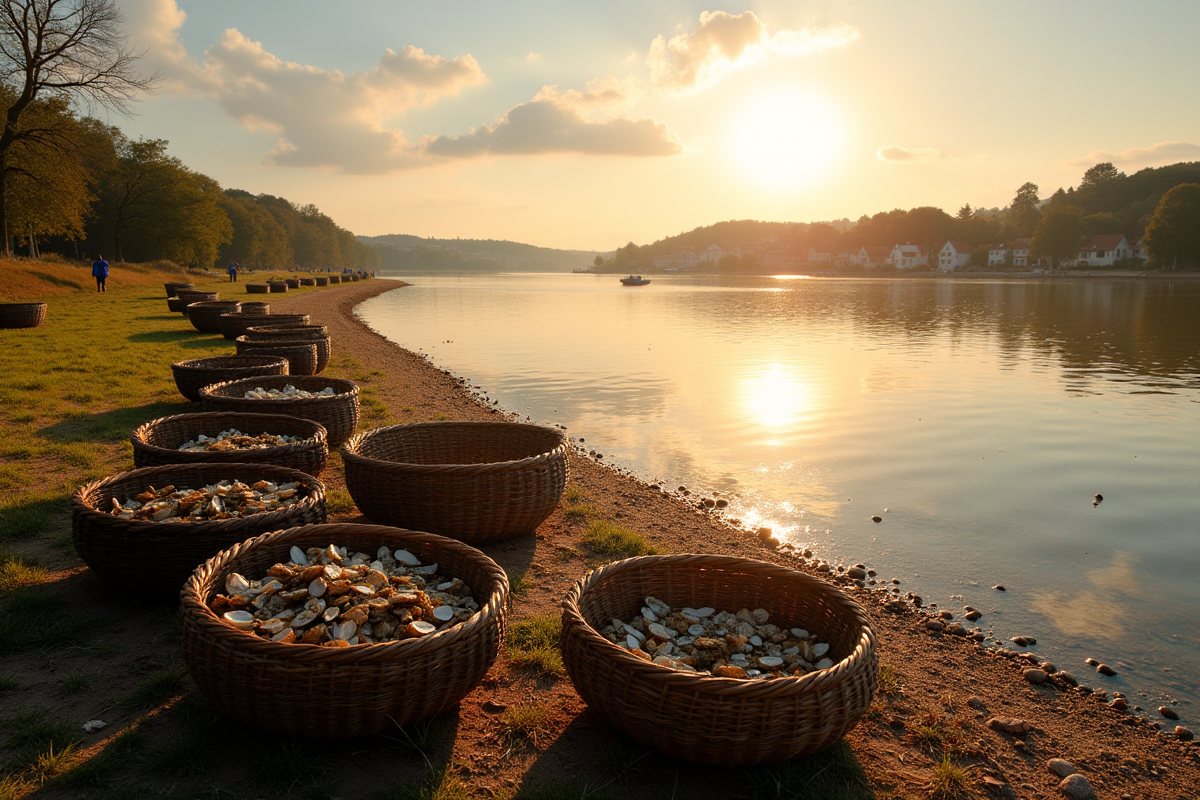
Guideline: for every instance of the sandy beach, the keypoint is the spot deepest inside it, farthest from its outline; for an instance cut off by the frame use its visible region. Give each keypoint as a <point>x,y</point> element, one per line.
<point>942,681</point>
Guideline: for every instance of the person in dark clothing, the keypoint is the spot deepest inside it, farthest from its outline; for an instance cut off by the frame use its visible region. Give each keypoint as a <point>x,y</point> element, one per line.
<point>233,268</point>
<point>100,272</point>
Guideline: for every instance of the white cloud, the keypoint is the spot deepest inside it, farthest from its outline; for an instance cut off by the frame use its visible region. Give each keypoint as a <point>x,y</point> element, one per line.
<point>724,42</point>
<point>908,155</point>
<point>533,57</point>
<point>1155,154</point>
<point>564,122</point>
<point>153,28</point>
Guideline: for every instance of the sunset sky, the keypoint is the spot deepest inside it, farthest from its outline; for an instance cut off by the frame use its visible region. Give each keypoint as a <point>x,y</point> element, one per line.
<point>585,126</point>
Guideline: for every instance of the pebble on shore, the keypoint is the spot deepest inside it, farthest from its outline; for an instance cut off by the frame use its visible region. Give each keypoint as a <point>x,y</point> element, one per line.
<point>1168,712</point>
<point>1076,787</point>
<point>1060,767</point>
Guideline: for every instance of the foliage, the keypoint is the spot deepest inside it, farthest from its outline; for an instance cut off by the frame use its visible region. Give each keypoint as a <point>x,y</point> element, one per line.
<point>1173,235</point>
<point>608,539</point>
<point>532,643</point>
<point>1023,212</point>
<point>1057,235</point>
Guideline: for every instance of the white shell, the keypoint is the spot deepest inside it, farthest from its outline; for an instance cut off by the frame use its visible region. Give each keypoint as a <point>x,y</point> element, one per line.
<point>824,663</point>
<point>333,571</point>
<point>243,620</point>
<point>317,587</point>
<point>236,584</point>
<point>649,615</point>
<point>771,661</point>
<point>820,649</point>
<point>696,630</point>
<point>658,630</point>
<point>756,640</point>
<point>635,633</point>
<point>331,613</point>
<point>407,558</point>
<point>705,611</point>
<point>761,616</point>
<point>298,557</point>
<point>344,630</point>
<point>658,606</point>
<point>304,617</point>
<point>428,569</point>
<point>443,613</point>
<point>632,642</point>
<point>420,628</point>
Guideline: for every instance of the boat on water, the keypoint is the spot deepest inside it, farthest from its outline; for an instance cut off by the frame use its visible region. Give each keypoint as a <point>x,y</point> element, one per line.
<point>634,280</point>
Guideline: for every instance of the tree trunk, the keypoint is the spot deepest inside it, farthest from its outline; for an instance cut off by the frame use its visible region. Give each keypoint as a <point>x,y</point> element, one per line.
<point>4,201</point>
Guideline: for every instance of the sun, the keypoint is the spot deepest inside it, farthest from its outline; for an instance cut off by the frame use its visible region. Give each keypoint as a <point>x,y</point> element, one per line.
<point>786,139</point>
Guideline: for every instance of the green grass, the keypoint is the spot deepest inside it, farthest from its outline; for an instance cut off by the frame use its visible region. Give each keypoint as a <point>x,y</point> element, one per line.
<point>949,782</point>
<point>532,644</point>
<point>43,747</point>
<point>584,512</point>
<point>16,572</point>
<point>441,784</point>
<point>74,684</point>
<point>339,502</point>
<point>889,681</point>
<point>159,687</point>
<point>830,774</point>
<point>927,733</point>
<point>525,723</point>
<point>518,586</point>
<point>31,617</point>
<point>102,769</point>
<point>607,539</point>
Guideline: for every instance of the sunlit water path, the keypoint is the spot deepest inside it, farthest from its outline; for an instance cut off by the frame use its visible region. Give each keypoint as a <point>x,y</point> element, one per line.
<point>983,416</point>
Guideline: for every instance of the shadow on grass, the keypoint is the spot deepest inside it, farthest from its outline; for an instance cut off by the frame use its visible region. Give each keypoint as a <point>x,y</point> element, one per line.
<point>114,425</point>
<point>165,337</point>
<point>56,281</point>
<point>163,317</point>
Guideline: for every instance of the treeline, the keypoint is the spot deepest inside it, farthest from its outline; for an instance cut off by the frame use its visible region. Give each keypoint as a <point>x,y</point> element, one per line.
<point>78,187</point>
<point>1106,201</point>
<point>407,253</point>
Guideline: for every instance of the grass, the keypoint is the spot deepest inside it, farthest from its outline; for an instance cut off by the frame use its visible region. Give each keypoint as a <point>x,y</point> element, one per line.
<point>830,774</point>
<point>579,514</point>
<point>339,502</point>
<point>74,684</point>
<point>889,681</point>
<point>158,687</point>
<point>518,586</point>
<point>44,748</point>
<point>525,723</point>
<point>102,769</point>
<point>607,539</point>
<point>927,733</point>
<point>949,782</point>
<point>30,617</point>
<point>532,644</point>
<point>17,572</point>
<point>438,785</point>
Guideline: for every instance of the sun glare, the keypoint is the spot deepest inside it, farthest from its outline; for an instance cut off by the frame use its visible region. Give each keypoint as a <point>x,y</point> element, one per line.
<point>776,397</point>
<point>786,139</point>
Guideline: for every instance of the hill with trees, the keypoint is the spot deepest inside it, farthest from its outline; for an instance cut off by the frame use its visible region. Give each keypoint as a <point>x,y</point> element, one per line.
<point>405,253</point>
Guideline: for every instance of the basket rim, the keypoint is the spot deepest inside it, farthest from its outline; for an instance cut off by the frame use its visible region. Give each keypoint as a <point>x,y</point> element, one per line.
<point>17,305</point>
<point>320,434</point>
<point>349,447</point>
<point>191,601</point>
<point>81,506</point>
<point>350,388</point>
<point>732,688</point>
<point>194,363</point>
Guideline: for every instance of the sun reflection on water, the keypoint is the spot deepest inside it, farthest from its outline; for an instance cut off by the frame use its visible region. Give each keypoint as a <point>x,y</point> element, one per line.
<point>777,397</point>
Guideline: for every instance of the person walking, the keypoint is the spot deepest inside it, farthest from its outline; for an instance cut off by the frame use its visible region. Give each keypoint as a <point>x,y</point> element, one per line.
<point>233,267</point>
<point>100,272</point>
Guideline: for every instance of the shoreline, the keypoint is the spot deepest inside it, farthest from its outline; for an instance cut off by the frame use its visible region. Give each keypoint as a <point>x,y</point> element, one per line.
<point>427,391</point>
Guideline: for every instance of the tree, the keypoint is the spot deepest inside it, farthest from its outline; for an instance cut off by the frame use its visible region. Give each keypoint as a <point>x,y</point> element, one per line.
<point>1057,235</point>
<point>1173,235</point>
<point>68,49</point>
<point>1101,173</point>
<point>258,239</point>
<point>1023,211</point>
<point>965,213</point>
<point>599,262</point>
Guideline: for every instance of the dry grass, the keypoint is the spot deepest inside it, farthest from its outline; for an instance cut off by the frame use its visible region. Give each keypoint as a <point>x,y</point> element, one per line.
<point>607,539</point>
<point>949,782</point>
<point>526,723</point>
<point>532,644</point>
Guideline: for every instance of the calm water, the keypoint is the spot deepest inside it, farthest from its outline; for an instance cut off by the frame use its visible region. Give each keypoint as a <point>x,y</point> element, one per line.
<point>983,416</point>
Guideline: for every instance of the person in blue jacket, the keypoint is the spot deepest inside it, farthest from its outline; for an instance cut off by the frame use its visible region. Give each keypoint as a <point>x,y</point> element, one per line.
<point>233,268</point>
<point>100,272</point>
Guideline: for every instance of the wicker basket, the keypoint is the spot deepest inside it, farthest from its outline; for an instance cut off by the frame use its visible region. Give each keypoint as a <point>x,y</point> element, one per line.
<point>340,693</point>
<point>197,297</point>
<point>235,325</point>
<point>301,356</point>
<point>174,289</point>
<point>322,281</point>
<point>157,442</point>
<point>206,316</point>
<point>293,283</point>
<point>308,281</point>
<point>354,279</point>
<point>276,337</point>
<point>474,481</point>
<point>257,288</point>
<point>277,287</point>
<point>178,304</point>
<point>22,315</point>
<point>156,557</point>
<point>714,720</point>
<point>335,279</point>
<point>339,413</point>
<point>192,376</point>
<point>255,307</point>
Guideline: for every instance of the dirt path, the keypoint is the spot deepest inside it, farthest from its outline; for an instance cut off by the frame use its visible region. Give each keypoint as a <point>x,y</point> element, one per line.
<point>898,745</point>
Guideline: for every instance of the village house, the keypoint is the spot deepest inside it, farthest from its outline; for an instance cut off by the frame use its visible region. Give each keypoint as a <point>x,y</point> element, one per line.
<point>820,255</point>
<point>909,256</point>
<point>781,256</point>
<point>1015,253</point>
<point>1104,250</point>
<point>872,257</point>
<point>954,255</point>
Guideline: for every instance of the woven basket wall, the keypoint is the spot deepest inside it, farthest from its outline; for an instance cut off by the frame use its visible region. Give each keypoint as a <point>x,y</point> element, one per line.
<point>339,413</point>
<point>302,356</point>
<point>277,287</point>
<point>284,335</point>
<point>322,281</point>
<point>206,316</point>
<point>340,693</point>
<point>156,557</point>
<point>192,376</point>
<point>474,481</point>
<point>173,289</point>
<point>235,325</point>
<point>22,315</point>
<point>157,442</point>
<point>257,288</point>
<point>723,721</point>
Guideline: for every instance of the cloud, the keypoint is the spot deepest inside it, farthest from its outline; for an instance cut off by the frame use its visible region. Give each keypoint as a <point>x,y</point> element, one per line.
<point>723,43</point>
<point>564,122</point>
<point>908,155</point>
<point>1160,153</point>
<point>153,28</point>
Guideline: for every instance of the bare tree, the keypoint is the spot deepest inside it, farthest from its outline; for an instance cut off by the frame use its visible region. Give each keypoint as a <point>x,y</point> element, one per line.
<point>72,49</point>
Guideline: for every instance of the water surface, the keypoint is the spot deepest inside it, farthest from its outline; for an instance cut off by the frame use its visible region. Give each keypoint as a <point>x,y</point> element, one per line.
<point>978,418</point>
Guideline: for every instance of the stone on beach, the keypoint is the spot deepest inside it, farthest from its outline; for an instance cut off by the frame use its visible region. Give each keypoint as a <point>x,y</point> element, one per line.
<point>1035,676</point>
<point>1168,712</point>
<point>1060,767</point>
<point>1010,725</point>
<point>1076,787</point>
<point>1105,669</point>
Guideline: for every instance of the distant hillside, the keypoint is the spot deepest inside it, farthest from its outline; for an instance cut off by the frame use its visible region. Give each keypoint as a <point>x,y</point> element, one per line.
<point>399,252</point>
<point>731,232</point>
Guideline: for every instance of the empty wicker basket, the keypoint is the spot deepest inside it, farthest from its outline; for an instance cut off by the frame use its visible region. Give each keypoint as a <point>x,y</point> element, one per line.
<point>338,413</point>
<point>157,442</point>
<point>340,693</point>
<point>235,325</point>
<point>257,288</point>
<point>335,278</point>
<point>257,336</point>
<point>474,481</point>
<point>255,307</point>
<point>156,557</point>
<point>22,315</point>
<point>192,376</point>
<point>322,281</point>
<point>723,721</point>
<point>174,289</point>
<point>277,287</point>
<point>301,356</point>
<point>308,282</point>
<point>205,316</point>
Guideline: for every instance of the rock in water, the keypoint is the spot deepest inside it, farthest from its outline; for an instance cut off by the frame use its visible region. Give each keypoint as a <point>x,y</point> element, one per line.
<point>1105,669</point>
<point>1183,734</point>
<point>1060,767</point>
<point>1168,712</point>
<point>1076,787</point>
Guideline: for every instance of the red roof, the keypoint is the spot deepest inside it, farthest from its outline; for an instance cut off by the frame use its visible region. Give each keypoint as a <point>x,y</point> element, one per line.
<point>1106,241</point>
<point>961,247</point>
<point>1021,244</point>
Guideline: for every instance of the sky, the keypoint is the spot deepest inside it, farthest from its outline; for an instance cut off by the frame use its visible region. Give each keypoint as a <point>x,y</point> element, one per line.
<point>589,125</point>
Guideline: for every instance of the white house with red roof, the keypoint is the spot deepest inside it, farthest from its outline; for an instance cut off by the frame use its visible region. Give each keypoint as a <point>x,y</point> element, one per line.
<point>909,256</point>
<point>1104,250</point>
<point>1015,253</point>
<point>954,255</point>
<point>870,257</point>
